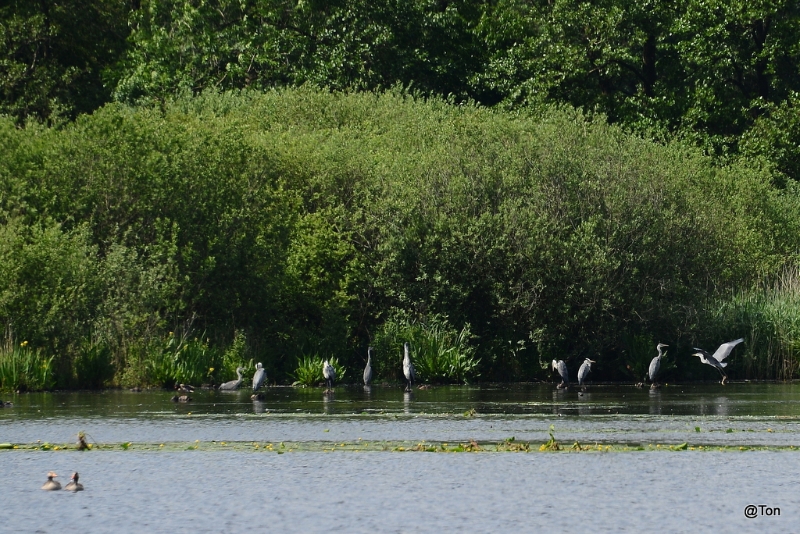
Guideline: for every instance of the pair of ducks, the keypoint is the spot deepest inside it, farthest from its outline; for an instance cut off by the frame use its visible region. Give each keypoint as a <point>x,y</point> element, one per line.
<point>52,485</point>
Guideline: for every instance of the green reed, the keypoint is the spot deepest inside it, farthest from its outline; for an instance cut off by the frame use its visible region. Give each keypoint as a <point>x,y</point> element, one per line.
<point>23,368</point>
<point>309,370</point>
<point>185,360</point>
<point>439,352</point>
<point>768,317</point>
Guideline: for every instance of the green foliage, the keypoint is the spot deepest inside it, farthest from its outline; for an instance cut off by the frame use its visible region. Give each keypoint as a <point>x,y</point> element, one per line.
<point>94,367</point>
<point>308,372</point>
<point>768,317</point>
<point>705,71</point>
<point>439,352</point>
<point>57,58</point>
<point>637,353</point>
<point>185,360</point>
<point>185,46</point>
<point>304,218</point>
<point>236,356</point>
<point>23,368</point>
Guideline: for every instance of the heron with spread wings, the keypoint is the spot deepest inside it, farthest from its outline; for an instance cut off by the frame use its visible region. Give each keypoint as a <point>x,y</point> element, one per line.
<point>716,360</point>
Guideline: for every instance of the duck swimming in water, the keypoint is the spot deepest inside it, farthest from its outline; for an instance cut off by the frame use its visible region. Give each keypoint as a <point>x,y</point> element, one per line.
<point>51,485</point>
<point>74,485</point>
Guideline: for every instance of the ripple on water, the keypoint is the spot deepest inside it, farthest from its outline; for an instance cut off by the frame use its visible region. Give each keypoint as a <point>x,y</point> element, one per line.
<point>399,492</point>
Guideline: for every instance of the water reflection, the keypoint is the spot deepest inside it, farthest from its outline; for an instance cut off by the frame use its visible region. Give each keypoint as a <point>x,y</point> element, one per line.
<point>327,402</point>
<point>408,396</point>
<point>259,407</point>
<point>693,400</point>
<point>654,395</point>
<point>585,406</point>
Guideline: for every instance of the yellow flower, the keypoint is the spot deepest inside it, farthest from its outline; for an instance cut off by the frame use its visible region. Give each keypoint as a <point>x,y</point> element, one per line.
<point>24,344</point>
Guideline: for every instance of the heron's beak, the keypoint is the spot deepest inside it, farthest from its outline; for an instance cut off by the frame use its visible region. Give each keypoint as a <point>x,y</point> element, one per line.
<point>592,361</point>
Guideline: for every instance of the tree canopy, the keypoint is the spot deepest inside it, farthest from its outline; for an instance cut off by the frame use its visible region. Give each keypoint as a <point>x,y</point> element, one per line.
<point>709,71</point>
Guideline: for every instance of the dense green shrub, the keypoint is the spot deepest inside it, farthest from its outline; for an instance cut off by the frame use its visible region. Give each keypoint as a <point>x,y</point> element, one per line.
<point>304,218</point>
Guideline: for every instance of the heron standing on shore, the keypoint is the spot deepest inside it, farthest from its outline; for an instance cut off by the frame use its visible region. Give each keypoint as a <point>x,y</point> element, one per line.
<point>584,371</point>
<point>259,378</point>
<point>655,365</point>
<point>561,367</point>
<point>368,368</point>
<point>329,373</point>
<point>408,367</point>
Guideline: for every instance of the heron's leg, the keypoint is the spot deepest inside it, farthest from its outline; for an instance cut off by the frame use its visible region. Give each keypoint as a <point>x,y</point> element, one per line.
<point>722,373</point>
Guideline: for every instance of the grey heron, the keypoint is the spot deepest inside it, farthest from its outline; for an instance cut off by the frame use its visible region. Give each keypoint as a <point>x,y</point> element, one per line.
<point>408,367</point>
<point>561,367</point>
<point>720,354</point>
<point>233,384</point>
<point>655,365</point>
<point>51,484</point>
<point>368,368</point>
<point>329,373</point>
<point>259,378</point>
<point>74,485</point>
<point>584,371</point>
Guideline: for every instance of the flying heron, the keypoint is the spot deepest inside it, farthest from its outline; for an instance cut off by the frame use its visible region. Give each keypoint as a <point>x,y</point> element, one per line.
<point>329,373</point>
<point>561,367</point>
<point>408,367</point>
<point>74,485</point>
<point>51,484</point>
<point>368,368</point>
<point>259,378</point>
<point>655,365</point>
<point>233,384</point>
<point>715,360</point>
<point>584,371</point>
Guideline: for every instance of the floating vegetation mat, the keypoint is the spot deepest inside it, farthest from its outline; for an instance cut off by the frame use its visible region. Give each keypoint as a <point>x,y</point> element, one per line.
<point>507,445</point>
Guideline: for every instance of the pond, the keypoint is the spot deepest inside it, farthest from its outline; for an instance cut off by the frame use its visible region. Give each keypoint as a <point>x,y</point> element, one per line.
<point>213,464</point>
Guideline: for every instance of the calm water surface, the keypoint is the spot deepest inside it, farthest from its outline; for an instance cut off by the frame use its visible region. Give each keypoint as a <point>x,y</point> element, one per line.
<point>205,491</point>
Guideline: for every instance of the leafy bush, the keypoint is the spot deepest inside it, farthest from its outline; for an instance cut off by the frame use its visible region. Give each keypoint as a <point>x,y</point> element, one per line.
<point>304,218</point>
<point>309,370</point>
<point>439,352</point>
